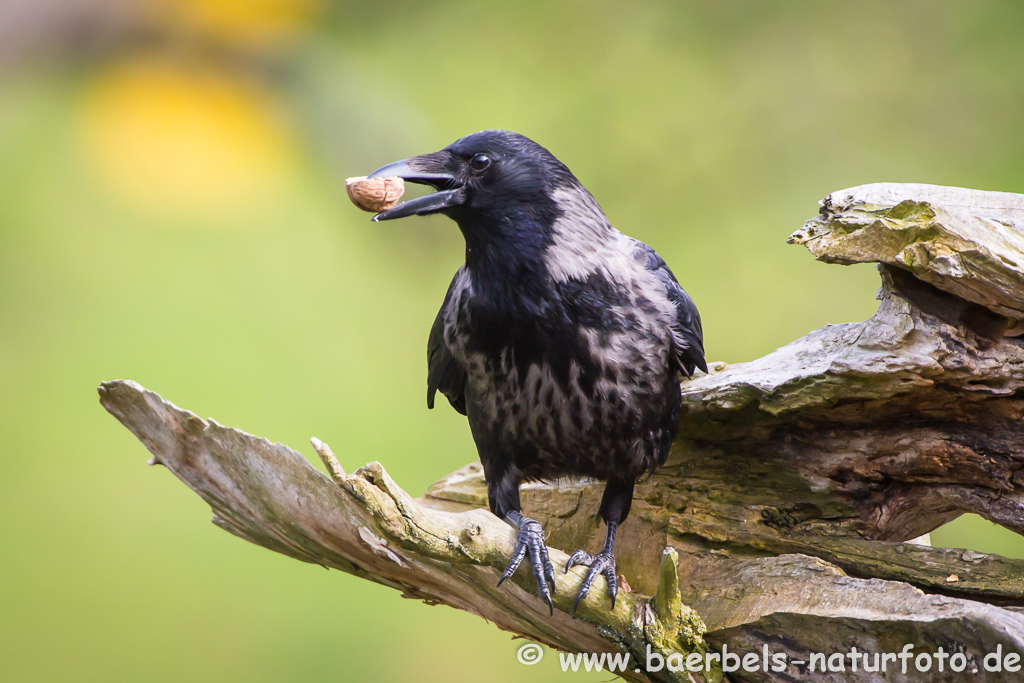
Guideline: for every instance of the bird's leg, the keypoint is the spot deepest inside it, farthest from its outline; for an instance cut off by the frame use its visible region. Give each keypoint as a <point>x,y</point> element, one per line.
<point>618,496</point>
<point>531,540</point>
<point>503,495</point>
<point>601,563</point>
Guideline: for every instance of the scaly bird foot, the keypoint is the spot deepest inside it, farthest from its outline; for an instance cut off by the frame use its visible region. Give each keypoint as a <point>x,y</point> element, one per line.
<point>602,563</point>
<point>531,538</point>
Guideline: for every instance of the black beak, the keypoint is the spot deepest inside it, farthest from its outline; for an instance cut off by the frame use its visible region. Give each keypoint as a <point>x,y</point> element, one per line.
<point>426,170</point>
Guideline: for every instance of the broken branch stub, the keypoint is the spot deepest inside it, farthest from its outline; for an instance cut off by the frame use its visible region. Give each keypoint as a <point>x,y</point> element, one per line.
<point>966,242</point>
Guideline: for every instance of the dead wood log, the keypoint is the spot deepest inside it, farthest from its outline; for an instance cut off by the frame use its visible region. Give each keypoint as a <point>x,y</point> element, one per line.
<point>783,516</point>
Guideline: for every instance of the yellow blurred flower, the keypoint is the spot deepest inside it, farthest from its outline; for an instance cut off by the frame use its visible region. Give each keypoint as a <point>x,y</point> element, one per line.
<point>184,140</point>
<point>248,23</point>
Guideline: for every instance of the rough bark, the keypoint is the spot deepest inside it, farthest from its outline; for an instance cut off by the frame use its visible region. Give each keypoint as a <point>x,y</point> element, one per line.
<point>783,516</point>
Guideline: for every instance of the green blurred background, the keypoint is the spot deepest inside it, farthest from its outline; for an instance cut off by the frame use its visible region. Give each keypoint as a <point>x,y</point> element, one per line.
<point>172,211</point>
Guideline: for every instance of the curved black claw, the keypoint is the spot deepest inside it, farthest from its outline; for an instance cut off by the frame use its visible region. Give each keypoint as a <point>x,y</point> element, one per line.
<point>602,563</point>
<point>531,539</point>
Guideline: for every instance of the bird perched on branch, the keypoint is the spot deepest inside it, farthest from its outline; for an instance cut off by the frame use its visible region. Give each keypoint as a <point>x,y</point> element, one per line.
<point>561,339</point>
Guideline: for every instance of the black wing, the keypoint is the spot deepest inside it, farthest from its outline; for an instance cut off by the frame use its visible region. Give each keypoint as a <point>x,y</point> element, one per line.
<point>444,373</point>
<point>687,332</point>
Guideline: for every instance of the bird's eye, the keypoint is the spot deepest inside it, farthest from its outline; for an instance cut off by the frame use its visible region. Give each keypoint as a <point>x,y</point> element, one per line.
<point>479,162</point>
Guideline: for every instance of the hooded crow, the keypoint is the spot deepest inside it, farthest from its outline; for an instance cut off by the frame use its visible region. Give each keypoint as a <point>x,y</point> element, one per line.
<point>561,339</point>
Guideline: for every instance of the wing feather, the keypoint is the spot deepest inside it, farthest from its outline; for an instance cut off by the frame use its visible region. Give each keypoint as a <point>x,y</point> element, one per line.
<point>687,333</point>
<point>444,373</point>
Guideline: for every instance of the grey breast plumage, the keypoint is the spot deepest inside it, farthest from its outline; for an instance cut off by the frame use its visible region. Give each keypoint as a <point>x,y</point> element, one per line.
<point>596,388</point>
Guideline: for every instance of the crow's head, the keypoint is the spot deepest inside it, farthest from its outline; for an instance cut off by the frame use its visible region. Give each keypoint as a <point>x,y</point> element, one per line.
<point>481,179</point>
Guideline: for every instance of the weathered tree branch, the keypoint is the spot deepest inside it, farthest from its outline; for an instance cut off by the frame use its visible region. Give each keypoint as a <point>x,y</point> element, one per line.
<point>366,525</point>
<point>782,516</point>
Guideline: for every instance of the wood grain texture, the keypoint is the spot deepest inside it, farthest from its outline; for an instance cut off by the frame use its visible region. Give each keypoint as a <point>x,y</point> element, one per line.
<point>783,515</point>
